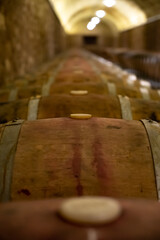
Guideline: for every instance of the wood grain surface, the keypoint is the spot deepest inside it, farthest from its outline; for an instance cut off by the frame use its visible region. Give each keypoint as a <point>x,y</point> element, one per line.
<point>39,220</point>
<point>63,157</point>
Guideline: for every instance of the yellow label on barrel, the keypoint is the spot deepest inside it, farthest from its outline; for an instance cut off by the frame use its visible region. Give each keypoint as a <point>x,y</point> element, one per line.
<point>91,210</point>
<point>79,92</point>
<point>80,116</point>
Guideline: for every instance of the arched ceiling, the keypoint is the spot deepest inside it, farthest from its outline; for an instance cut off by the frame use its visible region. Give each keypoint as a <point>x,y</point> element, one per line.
<point>125,14</point>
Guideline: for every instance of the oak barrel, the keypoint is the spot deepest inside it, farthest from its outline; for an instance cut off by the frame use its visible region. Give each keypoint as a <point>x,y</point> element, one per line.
<point>73,63</point>
<point>49,87</point>
<point>64,157</point>
<point>77,76</point>
<point>9,95</point>
<point>117,86</point>
<point>62,105</point>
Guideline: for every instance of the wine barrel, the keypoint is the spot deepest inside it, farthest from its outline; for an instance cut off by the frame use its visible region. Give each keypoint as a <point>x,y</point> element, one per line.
<point>133,92</point>
<point>40,220</point>
<point>25,88</point>
<point>125,79</point>
<point>123,85</point>
<point>76,62</point>
<point>116,74</point>
<point>91,87</point>
<point>50,88</point>
<point>33,87</point>
<point>65,157</point>
<point>40,75</point>
<point>62,105</point>
<point>77,76</point>
<point>9,95</point>
<point>39,78</point>
<point>103,88</point>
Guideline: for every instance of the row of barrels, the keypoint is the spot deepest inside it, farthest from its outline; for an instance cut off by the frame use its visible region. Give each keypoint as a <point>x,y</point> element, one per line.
<point>72,142</point>
<point>74,85</point>
<point>69,81</point>
<point>56,140</point>
<point>116,80</point>
<point>80,101</point>
<point>144,63</point>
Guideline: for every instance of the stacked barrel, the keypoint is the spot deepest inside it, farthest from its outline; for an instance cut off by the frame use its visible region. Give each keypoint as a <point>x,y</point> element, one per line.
<point>77,128</point>
<point>142,62</point>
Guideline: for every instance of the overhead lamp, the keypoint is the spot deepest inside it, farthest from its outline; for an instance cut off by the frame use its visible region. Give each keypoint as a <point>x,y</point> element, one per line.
<point>91,26</point>
<point>95,20</point>
<point>109,3</point>
<point>100,13</point>
<point>134,19</point>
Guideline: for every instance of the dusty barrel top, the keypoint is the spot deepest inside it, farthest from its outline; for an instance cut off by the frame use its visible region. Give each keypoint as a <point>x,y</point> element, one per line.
<point>68,157</point>
<point>62,105</point>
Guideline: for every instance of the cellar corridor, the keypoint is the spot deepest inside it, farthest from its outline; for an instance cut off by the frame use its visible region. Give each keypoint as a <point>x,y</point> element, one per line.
<point>79,120</point>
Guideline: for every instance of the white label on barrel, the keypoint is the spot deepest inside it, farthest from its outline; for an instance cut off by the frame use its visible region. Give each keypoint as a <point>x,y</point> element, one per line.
<point>91,210</point>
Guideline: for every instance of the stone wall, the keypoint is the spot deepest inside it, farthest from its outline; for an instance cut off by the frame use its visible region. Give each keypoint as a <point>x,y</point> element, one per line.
<point>28,31</point>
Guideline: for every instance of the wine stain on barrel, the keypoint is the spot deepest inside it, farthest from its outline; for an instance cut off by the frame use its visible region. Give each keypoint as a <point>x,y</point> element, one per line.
<point>99,161</point>
<point>25,192</point>
<point>113,127</point>
<point>76,165</point>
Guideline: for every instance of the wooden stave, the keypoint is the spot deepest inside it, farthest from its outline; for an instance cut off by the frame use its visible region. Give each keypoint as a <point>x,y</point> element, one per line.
<point>41,141</point>
<point>62,105</point>
<point>68,85</point>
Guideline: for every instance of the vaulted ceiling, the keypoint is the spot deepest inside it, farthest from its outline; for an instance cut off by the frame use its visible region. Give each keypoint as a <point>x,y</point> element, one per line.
<point>119,14</point>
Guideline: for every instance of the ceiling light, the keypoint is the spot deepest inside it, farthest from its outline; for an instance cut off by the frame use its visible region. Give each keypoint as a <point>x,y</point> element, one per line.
<point>134,19</point>
<point>100,13</point>
<point>109,3</point>
<point>91,26</point>
<point>95,20</point>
